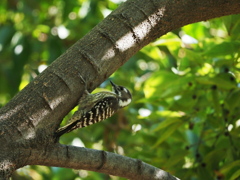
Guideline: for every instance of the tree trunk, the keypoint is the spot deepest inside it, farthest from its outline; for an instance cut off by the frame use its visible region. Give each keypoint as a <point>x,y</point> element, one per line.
<point>29,120</point>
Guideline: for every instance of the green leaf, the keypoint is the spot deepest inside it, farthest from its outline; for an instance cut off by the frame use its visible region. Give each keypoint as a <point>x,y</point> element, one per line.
<point>166,123</point>
<point>196,30</point>
<point>235,175</point>
<point>6,34</point>
<point>167,132</point>
<point>222,81</point>
<point>223,62</point>
<point>194,56</point>
<point>223,49</point>
<point>159,82</point>
<point>176,158</point>
<point>152,51</point>
<point>233,99</point>
<point>228,167</point>
<point>216,101</point>
<point>204,173</point>
<point>170,39</point>
<point>186,101</point>
<point>164,84</point>
<point>213,157</point>
<point>232,24</point>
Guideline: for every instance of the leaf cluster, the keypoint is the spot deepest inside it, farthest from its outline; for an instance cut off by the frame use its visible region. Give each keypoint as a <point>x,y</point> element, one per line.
<point>184,117</point>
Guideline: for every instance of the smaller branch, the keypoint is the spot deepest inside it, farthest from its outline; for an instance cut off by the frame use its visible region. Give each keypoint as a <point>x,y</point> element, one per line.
<point>99,161</point>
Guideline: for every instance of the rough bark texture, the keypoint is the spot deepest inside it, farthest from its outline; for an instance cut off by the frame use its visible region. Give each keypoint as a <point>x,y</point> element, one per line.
<point>28,121</point>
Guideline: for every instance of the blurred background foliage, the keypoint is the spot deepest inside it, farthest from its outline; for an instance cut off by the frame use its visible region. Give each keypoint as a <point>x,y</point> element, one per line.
<point>185,114</point>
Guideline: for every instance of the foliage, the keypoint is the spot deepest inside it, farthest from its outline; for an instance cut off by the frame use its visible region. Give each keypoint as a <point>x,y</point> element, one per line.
<point>185,114</point>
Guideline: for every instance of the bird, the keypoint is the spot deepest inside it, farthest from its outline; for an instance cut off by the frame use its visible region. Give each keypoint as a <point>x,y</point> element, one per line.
<point>94,108</point>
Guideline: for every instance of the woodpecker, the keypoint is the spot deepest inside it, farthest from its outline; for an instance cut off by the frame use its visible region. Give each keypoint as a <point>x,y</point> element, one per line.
<point>94,108</point>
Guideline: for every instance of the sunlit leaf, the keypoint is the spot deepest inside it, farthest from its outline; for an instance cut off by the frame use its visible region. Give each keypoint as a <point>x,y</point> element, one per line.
<point>152,51</point>
<point>170,39</point>
<point>225,169</point>
<point>235,175</point>
<point>197,30</point>
<point>191,88</point>
<point>164,84</point>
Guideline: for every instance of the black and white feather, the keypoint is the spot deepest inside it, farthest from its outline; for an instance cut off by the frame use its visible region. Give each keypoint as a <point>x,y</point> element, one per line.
<point>94,108</point>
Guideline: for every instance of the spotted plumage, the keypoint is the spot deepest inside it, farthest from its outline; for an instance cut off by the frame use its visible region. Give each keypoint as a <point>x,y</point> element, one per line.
<point>94,108</point>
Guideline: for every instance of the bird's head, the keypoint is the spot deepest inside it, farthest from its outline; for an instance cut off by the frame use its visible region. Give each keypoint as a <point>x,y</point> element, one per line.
<point>123,94</point>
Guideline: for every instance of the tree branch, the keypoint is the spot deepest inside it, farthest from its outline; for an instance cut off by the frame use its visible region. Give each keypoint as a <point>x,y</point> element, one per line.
<point>100,161</point>
<point>28,121</point>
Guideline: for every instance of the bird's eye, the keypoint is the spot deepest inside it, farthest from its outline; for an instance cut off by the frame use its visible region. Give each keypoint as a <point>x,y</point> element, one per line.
<point>121,88</point>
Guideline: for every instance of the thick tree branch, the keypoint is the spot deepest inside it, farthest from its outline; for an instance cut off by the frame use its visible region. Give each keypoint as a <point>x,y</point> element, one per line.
<point>28,121</point>
<point>100,161</point>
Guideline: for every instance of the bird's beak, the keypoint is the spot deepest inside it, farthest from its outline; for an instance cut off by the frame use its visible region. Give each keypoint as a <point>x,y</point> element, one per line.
<point>114,85</point>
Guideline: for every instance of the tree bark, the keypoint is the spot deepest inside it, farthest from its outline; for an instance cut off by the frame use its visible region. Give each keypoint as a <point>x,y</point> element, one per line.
<point>28,121</point>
